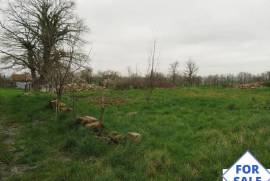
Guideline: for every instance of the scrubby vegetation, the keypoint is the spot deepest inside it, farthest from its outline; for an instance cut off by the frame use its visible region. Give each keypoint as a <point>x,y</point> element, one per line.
<point>187,134</point>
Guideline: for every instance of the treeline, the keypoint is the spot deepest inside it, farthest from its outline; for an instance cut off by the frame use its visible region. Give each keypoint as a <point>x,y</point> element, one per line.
<point>6,82</point>
<point>113,79</point>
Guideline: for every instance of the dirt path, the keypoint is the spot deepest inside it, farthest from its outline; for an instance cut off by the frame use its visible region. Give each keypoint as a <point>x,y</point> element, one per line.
<point>8,166</point>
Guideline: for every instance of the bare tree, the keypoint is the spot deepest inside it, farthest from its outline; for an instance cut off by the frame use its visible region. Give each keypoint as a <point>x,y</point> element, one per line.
<point>244,77</point>
<point>173,71</point>
<point>44,36</point>
<point>87,75</point>
<point>60,27</point>
<point>265,76</point>
<point>40,29</point>
<point>18,44</point>
<point>190,71</point>
<point>152,64</point>
<point>64,65</point>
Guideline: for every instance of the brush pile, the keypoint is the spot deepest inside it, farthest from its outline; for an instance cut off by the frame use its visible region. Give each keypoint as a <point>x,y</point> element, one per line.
<point>81,87</point>
<point>251,85</point>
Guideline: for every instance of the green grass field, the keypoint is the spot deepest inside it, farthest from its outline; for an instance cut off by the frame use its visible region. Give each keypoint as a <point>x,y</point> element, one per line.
<point>187,134</point>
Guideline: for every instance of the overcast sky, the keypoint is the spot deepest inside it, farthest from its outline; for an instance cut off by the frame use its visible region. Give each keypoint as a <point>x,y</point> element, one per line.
<point>222,36</point>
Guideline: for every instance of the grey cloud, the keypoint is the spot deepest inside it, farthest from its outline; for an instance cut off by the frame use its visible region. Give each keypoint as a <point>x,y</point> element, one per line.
<point>222,36</point>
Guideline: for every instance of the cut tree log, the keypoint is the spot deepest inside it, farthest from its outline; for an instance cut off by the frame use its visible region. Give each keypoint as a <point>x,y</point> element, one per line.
<point>61,106</point>
<point>86,120</point>
<point>135,137</point>
<point>95,126</point>
<point>54,103</point>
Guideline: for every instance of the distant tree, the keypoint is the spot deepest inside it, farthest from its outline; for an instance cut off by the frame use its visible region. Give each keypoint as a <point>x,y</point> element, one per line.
<point>266,76</point>
<point>2,80</point>
<point>190,71</point>
<point>173,71</point>
<point>150,77</point>
<point>244,77</point>
<point>107,78</point>
<point>133,76</point>
<point>129,70</point>
<point>87,75</point>
<point>230,80</point>
<point>110,74</point>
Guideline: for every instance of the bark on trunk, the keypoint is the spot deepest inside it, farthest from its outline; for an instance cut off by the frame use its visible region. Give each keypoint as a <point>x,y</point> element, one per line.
<point>35,85</point>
